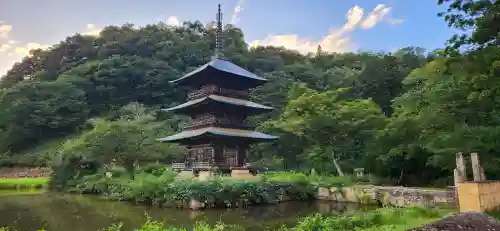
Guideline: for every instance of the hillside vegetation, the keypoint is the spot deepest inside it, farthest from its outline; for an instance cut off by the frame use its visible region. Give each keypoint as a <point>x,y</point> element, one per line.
<point>90,101</point>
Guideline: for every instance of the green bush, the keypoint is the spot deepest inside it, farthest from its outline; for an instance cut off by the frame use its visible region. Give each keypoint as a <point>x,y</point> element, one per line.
<point>161,187</point>
<point>155,169</point>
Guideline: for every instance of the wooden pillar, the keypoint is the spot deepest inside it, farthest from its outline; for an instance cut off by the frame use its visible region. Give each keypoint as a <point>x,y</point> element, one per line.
<point>476,167</point>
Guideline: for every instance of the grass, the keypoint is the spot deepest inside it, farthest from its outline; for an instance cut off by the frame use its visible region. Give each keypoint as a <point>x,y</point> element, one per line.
<point>21,192</point>
<point>23,183</point>
<point>393,219</point>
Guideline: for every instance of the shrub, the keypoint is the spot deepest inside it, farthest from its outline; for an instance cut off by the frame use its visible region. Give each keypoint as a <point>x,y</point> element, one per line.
<point>161,187</point>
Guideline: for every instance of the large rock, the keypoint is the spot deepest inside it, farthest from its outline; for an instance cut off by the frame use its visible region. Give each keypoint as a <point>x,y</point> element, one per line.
<point>471,221</point>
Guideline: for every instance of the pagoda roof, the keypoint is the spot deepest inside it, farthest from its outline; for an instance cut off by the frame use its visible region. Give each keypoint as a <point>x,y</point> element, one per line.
<point>229,132</point>
<point>224,66</point>
<point>220,99</point>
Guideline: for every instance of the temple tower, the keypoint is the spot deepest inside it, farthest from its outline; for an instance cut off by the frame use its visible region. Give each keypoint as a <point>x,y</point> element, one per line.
<point>218,135</point>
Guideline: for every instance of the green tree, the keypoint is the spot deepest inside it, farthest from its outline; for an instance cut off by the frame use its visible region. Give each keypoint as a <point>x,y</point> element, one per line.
<point>114,82</point>
<point>480,17</point>
<point>336,128</point>
<point>34,111</point>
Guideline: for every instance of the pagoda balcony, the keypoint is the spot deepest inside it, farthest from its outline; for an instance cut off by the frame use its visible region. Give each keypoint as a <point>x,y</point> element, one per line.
<point>212,120</point>
<point>212,89</point>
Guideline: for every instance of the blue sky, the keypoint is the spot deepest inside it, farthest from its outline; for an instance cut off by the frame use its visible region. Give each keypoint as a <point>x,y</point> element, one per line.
<point>296,24</point>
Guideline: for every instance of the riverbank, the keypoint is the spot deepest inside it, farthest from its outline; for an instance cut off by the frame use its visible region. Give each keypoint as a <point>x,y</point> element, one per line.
<point>394,219</point>
<point>165,188</point>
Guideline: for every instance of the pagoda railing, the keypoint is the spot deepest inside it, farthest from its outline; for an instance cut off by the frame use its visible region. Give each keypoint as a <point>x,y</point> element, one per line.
<point>212,89</point>
<point>212,120</point>
<point>200,165</point>
<point>178,165</point>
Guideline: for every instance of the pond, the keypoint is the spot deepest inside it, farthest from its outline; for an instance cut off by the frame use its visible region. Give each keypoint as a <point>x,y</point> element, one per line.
<point>57,212</point>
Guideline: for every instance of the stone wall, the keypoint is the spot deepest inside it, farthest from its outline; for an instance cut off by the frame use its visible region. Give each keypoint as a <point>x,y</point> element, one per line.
<point>396,196</point>
<point>483,196</point>
<point>18,172</point>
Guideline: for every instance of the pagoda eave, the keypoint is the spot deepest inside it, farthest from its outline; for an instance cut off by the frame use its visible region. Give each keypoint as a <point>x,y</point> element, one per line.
<point>225,70</point>
<point>249,106</point>
<point>214,132</point>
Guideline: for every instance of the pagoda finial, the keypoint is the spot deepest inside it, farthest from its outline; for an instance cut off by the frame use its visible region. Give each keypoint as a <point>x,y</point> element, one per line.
<point>218,40</point>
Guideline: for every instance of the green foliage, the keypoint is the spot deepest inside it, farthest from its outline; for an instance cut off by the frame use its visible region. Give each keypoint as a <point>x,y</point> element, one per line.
<point>118,147</point>
<point>373,220</point>
<point>476,16</point>
<point>401,115</point>
<point>33,111</point>
<point>335,127</point>
<point>161,187</point>
<point>119,80</point>
<point>126,64</point>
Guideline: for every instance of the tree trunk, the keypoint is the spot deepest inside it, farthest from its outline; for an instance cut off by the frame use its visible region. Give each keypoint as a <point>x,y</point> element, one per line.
<point>337,166</point>
<point>400,176</point>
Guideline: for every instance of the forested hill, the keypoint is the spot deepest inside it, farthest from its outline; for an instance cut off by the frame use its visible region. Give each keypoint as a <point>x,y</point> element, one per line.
<point>401,116</point>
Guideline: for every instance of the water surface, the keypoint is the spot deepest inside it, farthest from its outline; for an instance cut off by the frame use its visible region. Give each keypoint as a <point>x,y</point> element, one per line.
<point>57,212</point>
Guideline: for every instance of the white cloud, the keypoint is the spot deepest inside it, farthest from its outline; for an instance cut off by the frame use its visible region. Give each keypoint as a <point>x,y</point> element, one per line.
<point>4,47</point>
<point>353,16</point>
<point>92,30</point>
<point>173,21</point>
<point>237,9</point>
<point>374,17</point>
<point>395,21</point>
<point>5,29</point>
<point>337,39</point>
<point>12,51</point>
<point>30,46</point>
<point>7,46</point>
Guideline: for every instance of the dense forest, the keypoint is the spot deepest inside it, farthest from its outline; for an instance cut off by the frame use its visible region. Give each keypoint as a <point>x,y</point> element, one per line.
<point>401,116</point>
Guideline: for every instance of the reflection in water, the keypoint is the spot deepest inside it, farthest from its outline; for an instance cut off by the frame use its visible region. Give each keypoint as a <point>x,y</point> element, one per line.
<point>57,212</point>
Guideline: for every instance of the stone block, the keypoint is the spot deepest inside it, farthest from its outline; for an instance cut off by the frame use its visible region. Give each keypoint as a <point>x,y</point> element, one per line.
<point>186,175</point>
<point>242,174</point>
<point>323,193</point>
<point>205,175</point>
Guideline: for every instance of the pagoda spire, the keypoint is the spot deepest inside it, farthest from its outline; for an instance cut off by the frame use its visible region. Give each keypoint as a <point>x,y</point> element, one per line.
<point>218,40</point>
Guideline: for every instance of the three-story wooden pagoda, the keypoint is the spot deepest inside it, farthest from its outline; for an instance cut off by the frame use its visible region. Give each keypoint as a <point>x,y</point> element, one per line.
<point>218,134</point>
